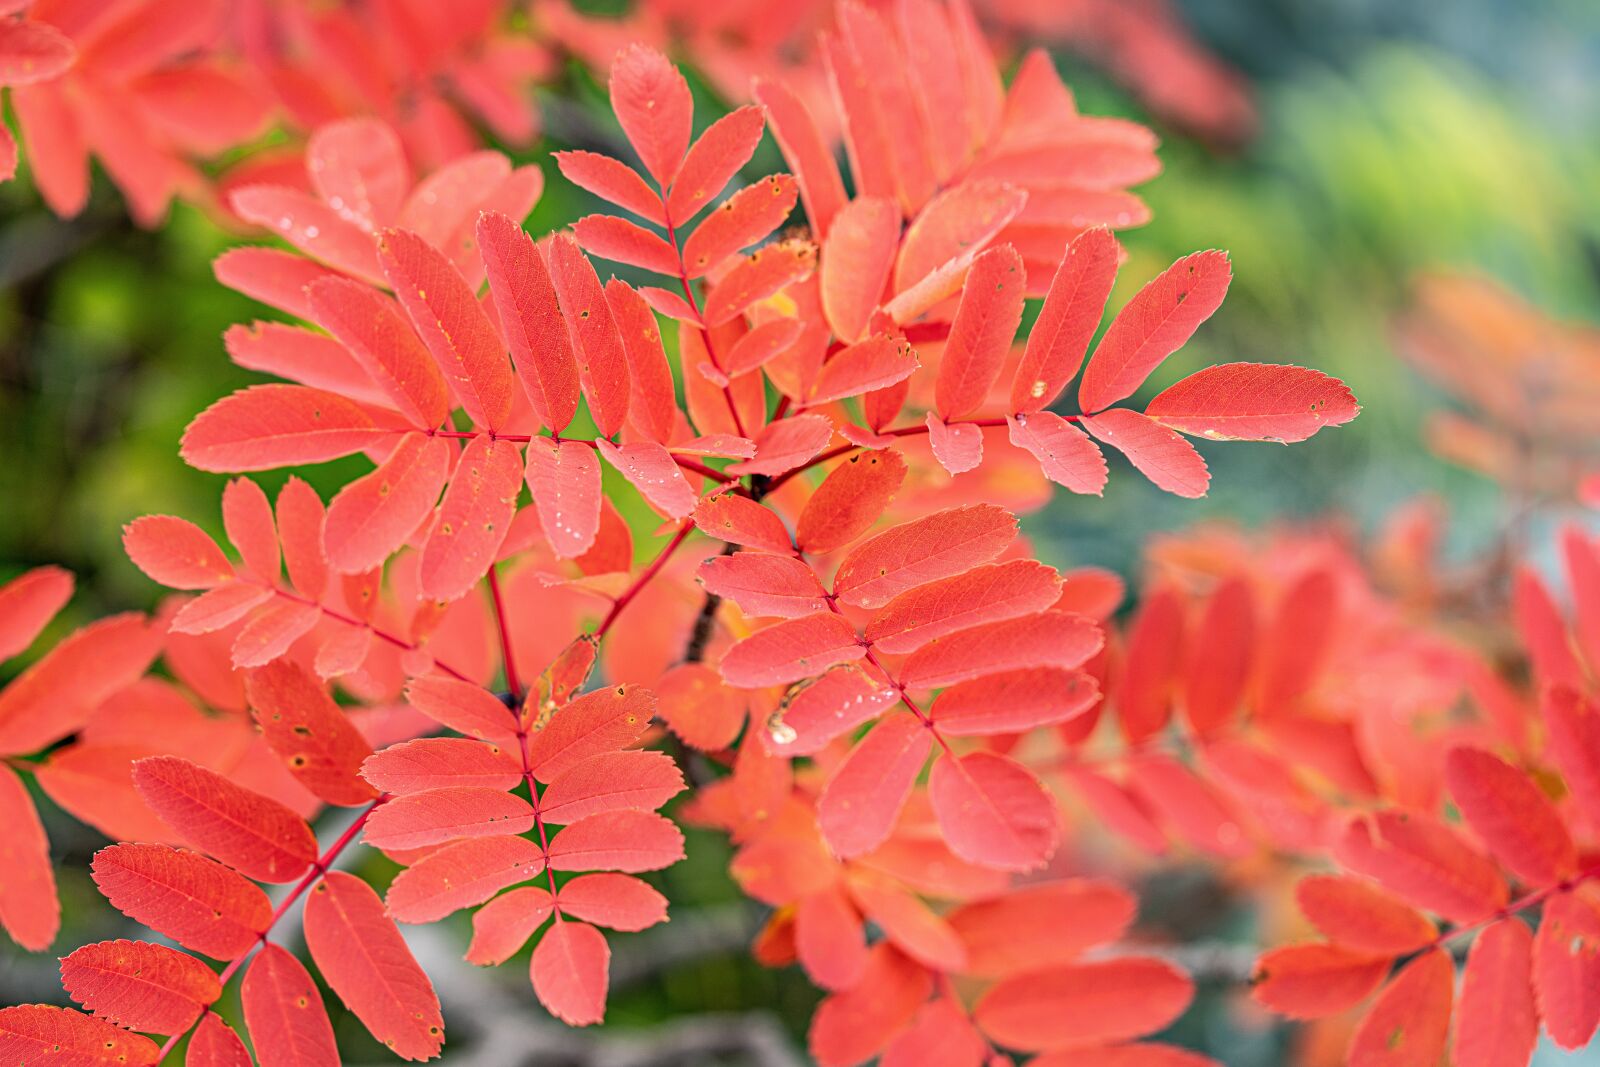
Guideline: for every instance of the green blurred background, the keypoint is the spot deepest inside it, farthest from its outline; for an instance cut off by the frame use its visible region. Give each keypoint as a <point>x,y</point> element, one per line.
<point>1394,138</point>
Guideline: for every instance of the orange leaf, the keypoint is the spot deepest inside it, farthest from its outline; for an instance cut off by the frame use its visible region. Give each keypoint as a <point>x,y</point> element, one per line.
<point>1409,1023</point>
<point>1083,1005</point>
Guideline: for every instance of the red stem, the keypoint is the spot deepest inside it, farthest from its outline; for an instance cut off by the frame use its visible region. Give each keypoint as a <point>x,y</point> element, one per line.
<point>904,431</point>
<point>509,662</point>
<point>382,635</point>
<point>895,683</point>
<point>685,462</point>
<point>644,578</point>
<point>1521,904</point>
<point>318,869</point>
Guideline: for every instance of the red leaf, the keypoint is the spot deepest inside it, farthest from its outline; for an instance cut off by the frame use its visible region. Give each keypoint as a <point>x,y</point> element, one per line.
<point>627,242</point>
<point>768,270</point>
<point>955,225</point>
<point>651,469</point>
<point>1153,659</point>
<point>366,962</point>
<point>602,361</point>
<point>569,973</point>
<point>311,226</point>
<point>1357,915</point>
<point>791,650</point>
<point>957,446</point>
<point>909,923</point>
<point>617,901</point>
<point>57,693</point>
<point>1070,315</point>
<point>1159,453</point>
<point>1511,814</point>
<point>936,546</point>
<point>764,584</point>
<point>174,552</point>
<point>1566,968</point>
<point>653,105</point>
<point>739,520</point>
<point>257,836</point>
<point>309,732</point>
<point>29,909</point>
<point>197,902</point>
<point>372,328</point>
<point>1409,1023</point>
<point>1049,639</point>
<point>993,812</point>
<point>697,707</point>
<point>600,721</point>
<point>809,156</point>
<point>284,1012</point>
<point>28,602</point>
<point>270,633</point>
<point>214,1044</point>
<point>613,181</point>
<point>611,781</point>
<point>1254,402</point>
<point>738,222</point>
<point>984,594</point>
<point>359,167</point>
<point>1065,453</point>
<point>530,318</point>
<point>464,707</point>
<point>1157,322</point>
<point>855,1025</point>
<point>942,1034</point>
<point>652,403</point>
<point>986,321</point>
<point>781,446</point>
<point>1310,981</point>
<point>1498,1022</point>
<point>565,482</point>
<point>1083,1005</point>
<point>501,927</point>
<point>875,363</point>
<point>441,815</point>
<point>33,52</point>
<point>473,519</point>
<point>140,985</point>
<point>303,355</point>
<point>1190,804</point>
<point>40,1033</point>
<point>1219,657</point>
<point>1543,631</point>
<point>1013,701</point>
<point>850,499</point>
<point>714,158</point>
<point>829,939</point>
<point>451,322</point>
<point>372,517</point>
<point>439,762</point>
<point>1143,1054</point>
<point>268,426</point>
<point>247,518</point>
<point>628,841</point>
<point>1574,744</point>
<point>272,276</point>
<point>1041,925</point>
<point>1425,863</point>
<point>816,712</point>
<point>857,256</point>
<point>461,875</point>
<point>859,805</point>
